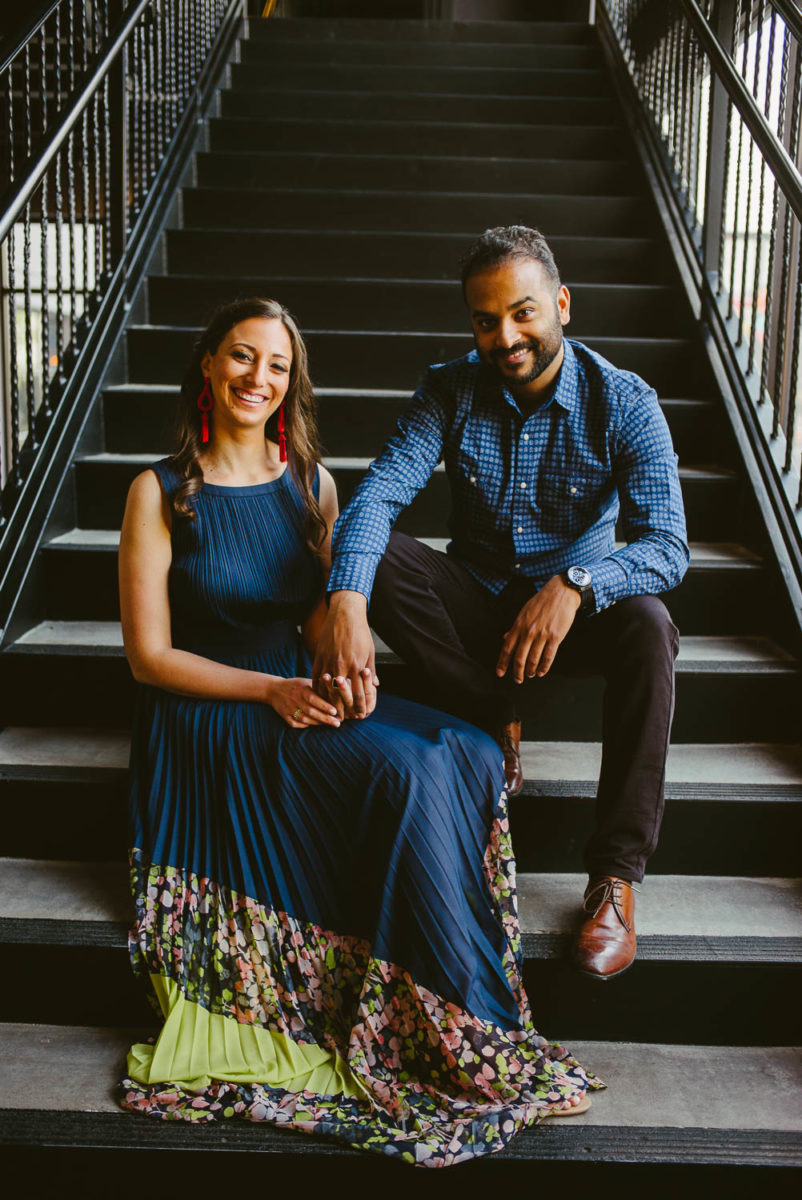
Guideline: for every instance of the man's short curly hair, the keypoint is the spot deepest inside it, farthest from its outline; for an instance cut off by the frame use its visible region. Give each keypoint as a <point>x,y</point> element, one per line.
<point>505,242</point>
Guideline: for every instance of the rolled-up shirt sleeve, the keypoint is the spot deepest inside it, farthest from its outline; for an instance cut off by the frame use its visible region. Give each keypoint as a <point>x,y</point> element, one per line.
<point>392,481</point>
<point>652,514</point>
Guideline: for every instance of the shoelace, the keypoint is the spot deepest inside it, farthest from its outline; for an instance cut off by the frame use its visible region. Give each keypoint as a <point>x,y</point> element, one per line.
<point>609,894</point>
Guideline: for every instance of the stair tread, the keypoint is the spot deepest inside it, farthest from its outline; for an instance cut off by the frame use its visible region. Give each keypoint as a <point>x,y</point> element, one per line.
<point>738,909</point>
<point>737,652</point>
<point>746,763</point>
<point>726,554</point>
<point>74,1068</point>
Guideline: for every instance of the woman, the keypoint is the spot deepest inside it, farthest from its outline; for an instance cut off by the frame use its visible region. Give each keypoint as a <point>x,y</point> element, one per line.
<point>325,910</point>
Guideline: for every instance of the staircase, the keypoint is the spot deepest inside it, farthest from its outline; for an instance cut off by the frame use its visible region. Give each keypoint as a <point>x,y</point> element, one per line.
<point>348,165</point>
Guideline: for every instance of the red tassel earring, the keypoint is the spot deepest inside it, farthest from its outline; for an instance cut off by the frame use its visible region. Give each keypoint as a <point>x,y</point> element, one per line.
<point>282,440</point>
<point>205,404</point>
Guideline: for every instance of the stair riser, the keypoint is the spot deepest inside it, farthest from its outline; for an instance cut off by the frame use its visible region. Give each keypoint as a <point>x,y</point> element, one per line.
<point>604,216</point>
<point>400,137</point>
<point>398,360</point>
<point>549,176</point>
<point>595,309</point>
<point>506,33</point>
<point>87,689</point>
<point>469,81</point>
<point>82,585</point>
<point>415,55</point>
<point>86,822</point>
<point>744,1004</point>
<point>403,104</point>
<point>101,488</point>
<point>140,423</point>
<point>398,255</point>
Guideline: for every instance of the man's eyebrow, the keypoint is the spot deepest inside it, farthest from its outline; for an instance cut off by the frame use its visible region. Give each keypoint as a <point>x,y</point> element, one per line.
<point>481,312</point>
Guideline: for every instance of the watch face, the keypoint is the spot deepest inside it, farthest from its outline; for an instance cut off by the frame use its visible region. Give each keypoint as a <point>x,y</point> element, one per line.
<point>579,576</point>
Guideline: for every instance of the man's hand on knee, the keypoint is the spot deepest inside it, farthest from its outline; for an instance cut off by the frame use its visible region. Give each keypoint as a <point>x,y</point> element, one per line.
<point>538,631</point>
<point>345,665</point>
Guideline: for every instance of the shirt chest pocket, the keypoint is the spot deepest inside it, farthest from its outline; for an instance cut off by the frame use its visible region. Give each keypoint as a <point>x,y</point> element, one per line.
<point>568,503</point>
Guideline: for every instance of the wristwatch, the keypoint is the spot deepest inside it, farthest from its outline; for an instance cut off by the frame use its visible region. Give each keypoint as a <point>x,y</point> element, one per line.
<point>581,580</point>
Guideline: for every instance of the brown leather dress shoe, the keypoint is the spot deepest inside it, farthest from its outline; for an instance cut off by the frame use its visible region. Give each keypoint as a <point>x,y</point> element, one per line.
<point>605,945</point>
<point>509,738</point>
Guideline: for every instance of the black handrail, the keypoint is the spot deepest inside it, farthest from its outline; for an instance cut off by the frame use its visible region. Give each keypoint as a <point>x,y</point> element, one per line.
<point>18,196</point>
<point>28,27</point>
<point>773,151</point>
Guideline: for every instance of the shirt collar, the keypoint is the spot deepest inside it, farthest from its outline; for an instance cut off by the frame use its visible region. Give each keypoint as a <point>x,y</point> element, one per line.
<point>565,392</point>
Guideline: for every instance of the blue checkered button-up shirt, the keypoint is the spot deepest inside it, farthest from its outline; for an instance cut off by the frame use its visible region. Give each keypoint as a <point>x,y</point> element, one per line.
<point>531,496</point>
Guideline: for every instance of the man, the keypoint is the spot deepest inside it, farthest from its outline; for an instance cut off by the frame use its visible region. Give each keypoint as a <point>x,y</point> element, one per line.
<point>544,443</point>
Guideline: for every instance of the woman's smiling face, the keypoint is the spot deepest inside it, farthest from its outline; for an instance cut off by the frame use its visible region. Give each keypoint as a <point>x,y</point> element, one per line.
<point>249,372</point>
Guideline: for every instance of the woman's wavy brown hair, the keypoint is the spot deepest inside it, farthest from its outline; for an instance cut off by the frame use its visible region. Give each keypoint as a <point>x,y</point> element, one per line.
<point>303,450</point>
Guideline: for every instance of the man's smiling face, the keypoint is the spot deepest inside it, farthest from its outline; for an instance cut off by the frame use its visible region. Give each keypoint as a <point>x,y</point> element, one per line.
<point>517,314</point>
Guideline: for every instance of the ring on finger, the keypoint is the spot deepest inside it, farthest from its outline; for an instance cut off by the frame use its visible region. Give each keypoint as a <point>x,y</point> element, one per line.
<point>296,716</point>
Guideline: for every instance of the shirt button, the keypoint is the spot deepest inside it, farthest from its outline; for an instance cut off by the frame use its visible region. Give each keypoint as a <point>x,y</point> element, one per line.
<point>517,566</point>
<point>473,479</point>
<point>523,484</point>
<point>572,491</point>
<point>526,437</point>
<point>520,528</point>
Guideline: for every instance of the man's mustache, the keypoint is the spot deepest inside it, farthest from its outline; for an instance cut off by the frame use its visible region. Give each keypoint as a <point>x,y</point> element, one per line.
<point>528,344</point>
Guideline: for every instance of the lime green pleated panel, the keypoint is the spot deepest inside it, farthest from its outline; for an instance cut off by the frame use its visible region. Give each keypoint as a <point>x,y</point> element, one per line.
<point>196,1047</point>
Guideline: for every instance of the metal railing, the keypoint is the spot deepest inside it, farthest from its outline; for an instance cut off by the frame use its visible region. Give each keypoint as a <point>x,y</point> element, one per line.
<point>94,93</point>
<point>720,82</point>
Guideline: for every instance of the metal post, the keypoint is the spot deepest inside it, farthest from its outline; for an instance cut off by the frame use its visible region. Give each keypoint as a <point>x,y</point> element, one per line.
<point>715,183</point>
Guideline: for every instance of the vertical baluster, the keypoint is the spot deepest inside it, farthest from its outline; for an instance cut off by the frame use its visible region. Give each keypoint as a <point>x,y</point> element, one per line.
<point>11,261</point>
<point>153,87</point>
<point>780,366</point>
<point>30,370</point>
<point>759,274</point>
<point>161,141</point>
<point>729,128</point>
<point>768,333</point>
<point>85,170</point>
<point>749,179</point>
<point>790,420</point>
<point>45,266</point>
<point>59,205</point>
<point>682,107</point>
<point>737,203</point>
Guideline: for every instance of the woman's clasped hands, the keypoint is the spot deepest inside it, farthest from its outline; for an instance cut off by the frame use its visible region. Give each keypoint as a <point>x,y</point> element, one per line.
<point>295,701</point>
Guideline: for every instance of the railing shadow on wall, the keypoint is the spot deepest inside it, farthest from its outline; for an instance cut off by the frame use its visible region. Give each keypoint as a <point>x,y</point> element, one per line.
<point>714,91</point>
<point>103,101</point>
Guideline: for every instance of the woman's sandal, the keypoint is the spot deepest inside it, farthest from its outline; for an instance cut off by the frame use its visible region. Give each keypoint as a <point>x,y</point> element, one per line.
<point>574,1110</point>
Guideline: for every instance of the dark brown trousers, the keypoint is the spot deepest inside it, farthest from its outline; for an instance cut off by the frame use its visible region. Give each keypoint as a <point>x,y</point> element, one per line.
<point>448,628</point>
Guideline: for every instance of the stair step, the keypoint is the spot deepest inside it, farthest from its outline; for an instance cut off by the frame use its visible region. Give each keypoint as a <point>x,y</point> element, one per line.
<point>338,29</point>
<point>658,1106</point>
<point>391,255</point>
<point>102,482</point>
<point>680,917</point>
<point>724,591</point>
<point>397,360</point>
<point>493,80</point>
<point>457,212</point>
<point>729,689</point>
<point>138,418</point>
<point>605,177</point>
<point>417,137</point>
<point>731,810</point>
<point>416,106</point>
<point>734,941</point>
<point>414,55</point>
<point>363,304</point>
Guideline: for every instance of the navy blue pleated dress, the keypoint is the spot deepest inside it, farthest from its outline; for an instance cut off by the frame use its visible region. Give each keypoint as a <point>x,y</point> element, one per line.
<point>325,918</point>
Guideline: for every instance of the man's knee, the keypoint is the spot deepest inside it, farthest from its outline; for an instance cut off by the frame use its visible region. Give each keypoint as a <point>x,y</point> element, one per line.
<point>646,627</point>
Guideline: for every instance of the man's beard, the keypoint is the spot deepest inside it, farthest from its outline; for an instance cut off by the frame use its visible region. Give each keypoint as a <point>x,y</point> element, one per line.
<point>544,351</point>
